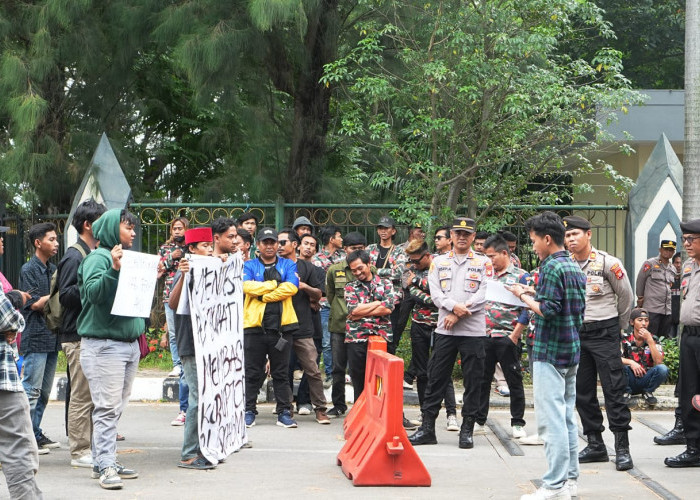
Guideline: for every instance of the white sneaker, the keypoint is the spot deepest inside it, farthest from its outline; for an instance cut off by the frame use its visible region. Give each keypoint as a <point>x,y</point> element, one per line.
<point>533,440</point>
<point>43,451</point>
<point>518,432</point>
<point>175,372</point>
<point>479,430</point>
<point>84,461</point>
<point>110,480</point>
<point>503,390</point>
<point>180,419</point>
<point>408,386</point>
<point>573,487</point>
<point>452,424</point>
<point>547,494</point>
<point>304,410</point>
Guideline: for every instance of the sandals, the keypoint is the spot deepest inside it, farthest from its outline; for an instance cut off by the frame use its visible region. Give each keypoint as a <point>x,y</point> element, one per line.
<point>197,463</point>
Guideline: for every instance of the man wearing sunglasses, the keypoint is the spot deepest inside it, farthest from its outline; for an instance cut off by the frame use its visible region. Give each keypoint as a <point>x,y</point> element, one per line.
<point>443,243</point>
<point>689,375</point>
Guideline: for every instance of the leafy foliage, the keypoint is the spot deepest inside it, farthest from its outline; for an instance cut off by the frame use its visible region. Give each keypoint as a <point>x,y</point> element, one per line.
<point>471,102</point>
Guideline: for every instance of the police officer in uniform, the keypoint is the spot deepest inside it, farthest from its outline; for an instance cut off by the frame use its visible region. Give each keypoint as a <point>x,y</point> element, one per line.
<point>608,304</point>
<point>689,376</point>
<point>653,286</point>
<point>457,283</point>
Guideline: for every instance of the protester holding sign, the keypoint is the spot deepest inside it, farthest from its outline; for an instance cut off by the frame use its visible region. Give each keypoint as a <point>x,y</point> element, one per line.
<point>109,350</point>
<point>198,242</point>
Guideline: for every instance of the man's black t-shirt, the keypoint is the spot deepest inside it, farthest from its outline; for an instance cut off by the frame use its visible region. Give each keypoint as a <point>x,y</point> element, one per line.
<point>302,305</point>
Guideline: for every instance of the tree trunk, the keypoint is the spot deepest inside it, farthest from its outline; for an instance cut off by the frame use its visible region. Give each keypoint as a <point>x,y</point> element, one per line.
<point>691,170</point>
<point>311,102</point>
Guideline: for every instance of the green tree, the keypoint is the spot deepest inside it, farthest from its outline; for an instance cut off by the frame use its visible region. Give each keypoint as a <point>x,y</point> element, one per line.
<point>473,103</point>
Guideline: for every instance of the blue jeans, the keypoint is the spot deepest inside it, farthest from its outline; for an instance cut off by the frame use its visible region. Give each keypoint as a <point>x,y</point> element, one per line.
<point>652,379</point>
<point>183,388</point>
<point>110,368</point>
<point>39,370</point>
<point>326,342</point>
<point>190,441</point>
<point>555,400</point>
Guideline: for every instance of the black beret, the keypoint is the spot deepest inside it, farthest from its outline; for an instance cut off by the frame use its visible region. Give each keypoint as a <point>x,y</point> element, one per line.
<point>691,227</point>
<point>576,222</point>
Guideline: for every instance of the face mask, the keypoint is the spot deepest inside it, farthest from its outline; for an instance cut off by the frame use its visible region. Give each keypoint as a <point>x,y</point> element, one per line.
<point>179,239</point>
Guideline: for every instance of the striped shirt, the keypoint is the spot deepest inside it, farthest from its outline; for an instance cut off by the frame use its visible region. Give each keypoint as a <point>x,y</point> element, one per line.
<point>561,293</point>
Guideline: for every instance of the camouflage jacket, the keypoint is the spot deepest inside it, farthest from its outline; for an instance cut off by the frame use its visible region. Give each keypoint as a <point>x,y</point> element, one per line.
<point>324,259</point>
<point>502,318</point>
<point>360,292</point>
<point>394,266</point>
<point>424,311</point>
<point>170,265</point>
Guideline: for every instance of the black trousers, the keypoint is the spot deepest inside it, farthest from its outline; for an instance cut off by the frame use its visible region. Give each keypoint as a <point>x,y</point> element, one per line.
<point>689,380</point>
<point>660,325</point>
<point>399,319</point>
<point>503,350</point>
<point>339,351</point>
<point>357,362</point>
<point>445,350</point>
<point>600,356</point>
<point>257,346</point>
<point>421,342</point>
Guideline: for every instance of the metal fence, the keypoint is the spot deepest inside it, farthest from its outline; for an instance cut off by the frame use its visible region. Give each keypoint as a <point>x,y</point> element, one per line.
<point>155,218</point>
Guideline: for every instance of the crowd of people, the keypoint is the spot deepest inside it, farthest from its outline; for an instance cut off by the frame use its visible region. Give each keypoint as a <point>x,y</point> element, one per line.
<point>313,297</point>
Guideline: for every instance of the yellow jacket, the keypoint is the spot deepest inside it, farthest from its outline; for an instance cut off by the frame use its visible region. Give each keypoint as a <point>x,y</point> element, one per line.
<point>259,293</point>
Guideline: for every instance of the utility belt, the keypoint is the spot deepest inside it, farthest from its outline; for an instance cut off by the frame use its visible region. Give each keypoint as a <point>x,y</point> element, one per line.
<point>592,326</point>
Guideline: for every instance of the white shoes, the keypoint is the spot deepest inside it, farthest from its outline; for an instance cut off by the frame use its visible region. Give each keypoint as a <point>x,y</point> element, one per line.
<point>84,461</point>
<point>573,487</point>
<point>175,372</point>
<point>533,440</point>
<point>547,494</point>
<point>452,424</point>
<point>518,432</point>
<point>479,430</point>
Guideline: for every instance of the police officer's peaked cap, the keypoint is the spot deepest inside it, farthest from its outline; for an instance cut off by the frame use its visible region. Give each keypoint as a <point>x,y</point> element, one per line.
<point>668,244</point>
<point>386,221</point>
<point>267,233</point>
<point>354,238</point>
<point>691,227</point>
<point>463,224</point>
<point>576,222</point>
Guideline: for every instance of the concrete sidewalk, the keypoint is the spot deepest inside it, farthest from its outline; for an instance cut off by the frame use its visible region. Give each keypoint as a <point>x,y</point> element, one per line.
<point>301,463</point>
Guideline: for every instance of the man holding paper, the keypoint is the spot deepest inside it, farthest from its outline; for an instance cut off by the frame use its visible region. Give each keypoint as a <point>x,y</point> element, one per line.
<point>505,324</point>
<point>109,350</point>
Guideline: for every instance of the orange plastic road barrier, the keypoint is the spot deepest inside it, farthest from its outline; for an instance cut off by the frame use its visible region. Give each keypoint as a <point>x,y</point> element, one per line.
<point>378,452</point>
<point>375,343</point>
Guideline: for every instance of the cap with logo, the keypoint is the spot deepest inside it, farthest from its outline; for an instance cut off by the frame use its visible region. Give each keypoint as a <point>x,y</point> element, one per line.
<point>576,222</point>
<point>668,244</point>
<point>386,221</point>
<point>267,233</point>
<point>463,224</point>
<point>197,235</point>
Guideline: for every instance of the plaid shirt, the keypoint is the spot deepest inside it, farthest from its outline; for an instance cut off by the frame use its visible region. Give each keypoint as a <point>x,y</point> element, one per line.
<point>639,353</point>
<point>10,321</point>
<point>424,310</point>
<point>501,318</point>
<point>35,275</point>
<point>170,266</point>
<point>561,292</point>
<point>360,292</point>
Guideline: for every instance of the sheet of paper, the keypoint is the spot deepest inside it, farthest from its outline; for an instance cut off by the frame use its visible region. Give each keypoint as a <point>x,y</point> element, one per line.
<point>497,292</point>
<point>137,283</point>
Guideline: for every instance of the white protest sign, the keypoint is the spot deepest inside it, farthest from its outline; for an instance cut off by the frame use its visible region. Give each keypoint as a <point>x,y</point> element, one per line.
<point>183,306</point>
<point>497,292</point>
<point>216,306</point>
<point>137,283</point>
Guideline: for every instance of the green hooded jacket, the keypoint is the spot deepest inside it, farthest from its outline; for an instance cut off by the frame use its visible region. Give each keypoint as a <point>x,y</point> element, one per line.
<point>97,281</point>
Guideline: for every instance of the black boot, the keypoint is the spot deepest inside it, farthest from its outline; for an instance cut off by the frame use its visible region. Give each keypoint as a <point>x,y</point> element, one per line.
<point>466,433</point>
<point>674,436</point>
<point>689,458</point>
<point>623,459</point>
<point>425,433</point>
<point>595,451</point>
